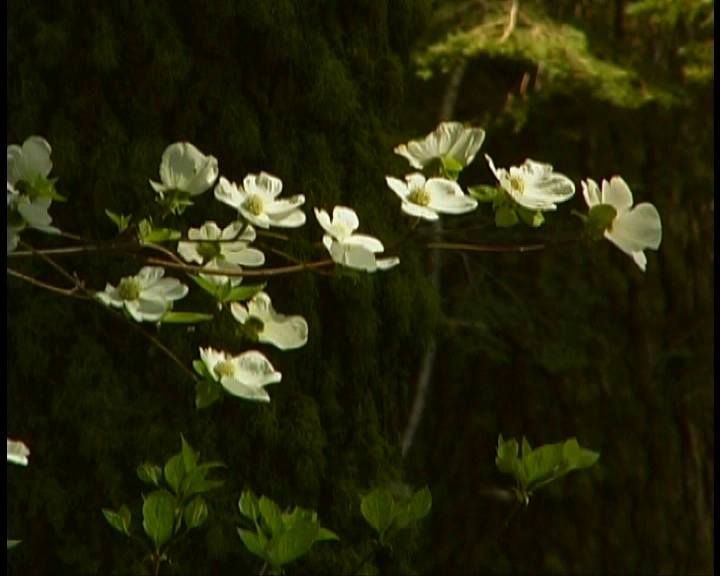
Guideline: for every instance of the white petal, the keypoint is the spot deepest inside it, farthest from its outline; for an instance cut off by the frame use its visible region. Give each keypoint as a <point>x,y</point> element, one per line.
<point>323,219</point>
<point>345,217</point>
<point>261,306</point>
<point>189,253</point>
<point>36,156</point>
<point>370,243</point>
<point>110,297</point>
<point>285,332</point>
<point>264,184</point>
<point>252,368</point>
<point>279,208</point>
<point>294,219</point>
<point>636,230</point>
<point>640,259</point>
<point>36,216</point>
<point>212,358</point>
<point>208,231</point>
<point>17,452</point>
<point>228,193</point>
<point>261,220</point>
<point>447,197</point>
<point>239,312</point>
<point>146,310</point>
<point>148,275</point>
<point>354,256</point>
<point>219,265</point>
<point>241,390</point>
<point>465,143</point>
<point>617,194</point>
<point>387,263</point>
<point>237,253</point>
<point>591,192</point>
<point>165,289</point>
<point>398,186</point>
<point>185,168</point>
<point>246,232</point>
<point>419,211</point>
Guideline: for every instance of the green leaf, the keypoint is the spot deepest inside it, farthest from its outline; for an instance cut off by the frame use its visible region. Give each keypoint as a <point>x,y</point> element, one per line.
<point>507,455</point>
<point>175,471</point>
<point>292,543</point>
<point>532,218</point>
<point>599,218</point>
<point>483,193</point>
<point>190,457</point>
<point>578,457</point>
<point>161,235</point>
<point>12,543</point>
<point>202,369</point>
<point>252,543</point>
<point>120,220</point>
<point>195,482</point>
<point>119,520</point>
<point>242,293</point>
<point>195,512</point>
<point>43,186</point>
<point>207,392</point>
<point>403,516</point>
<point>150,473</point>
<point>159,516</point>
<point>271,515</point>
<point>249,505</point>
<point>209,287</point>
<point>505,217</point>
<point>185,317</point>
<point>326,534</point>
<point>420,504</point>
<point>378,508</point>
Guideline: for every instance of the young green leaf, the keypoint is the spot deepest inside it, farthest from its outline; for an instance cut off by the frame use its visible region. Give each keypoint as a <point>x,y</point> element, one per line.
<point>271,515</point>
<point>420,504</point>
<point>190,457</point>
<point>378,508</point>
<point>249,505</point>
<point>159,516</point>
<point>119,520</point>
<point>150,473</point>
<point>175,471</point>
<point>252,542</point>
<point>242,293</point>
<point>326,534</point>
<point>195,482</point>
<point>207,392</point>
<point>290,544</point>
<point>185,317</point>
<point>483,193</point>
<point>195,512</point>
<point>120,220</point>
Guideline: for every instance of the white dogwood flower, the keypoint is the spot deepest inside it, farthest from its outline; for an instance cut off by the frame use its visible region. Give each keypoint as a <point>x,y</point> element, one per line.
<point>259,316</point>
<point>534,185</point>
<point>244,375</point>
<point>184,168</point>
<point>17,452</point>
<point>257,201</point>
<point>632,229</point>
<point>147,296</point>
<point>225,249</point>
<point>28,162</point>
<point>449,140</point>
<point>426,198</point>
<point>347,248</point>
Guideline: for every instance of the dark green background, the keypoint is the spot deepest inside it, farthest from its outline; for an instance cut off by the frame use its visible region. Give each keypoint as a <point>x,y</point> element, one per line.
<point>574,341</point>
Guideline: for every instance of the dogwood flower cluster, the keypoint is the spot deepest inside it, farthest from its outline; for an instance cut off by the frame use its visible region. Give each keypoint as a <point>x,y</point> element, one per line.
<point>218,254</point>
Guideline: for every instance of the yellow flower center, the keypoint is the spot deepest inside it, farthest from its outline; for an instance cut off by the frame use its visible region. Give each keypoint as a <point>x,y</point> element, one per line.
<point>517,184</point>
<point>208,250</point>
<point>419,196</point>
<point>129,288</point>
<point>224,368</point>
<point>255,204</point>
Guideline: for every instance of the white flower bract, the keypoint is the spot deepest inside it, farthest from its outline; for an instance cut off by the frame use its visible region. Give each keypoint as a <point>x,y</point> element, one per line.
<point>17,452</point>
<point>244,375</point>
<point>225,249</point>
<point>284,332</point>
<point>257,201</point>
<point>184,168</point>
<point>29,161</point>
<point>534,185</point>
<point>347,248</point>
<point>634,229</point>
<point>147,296</point>
<point>449,140</point>
<point>426,198</point>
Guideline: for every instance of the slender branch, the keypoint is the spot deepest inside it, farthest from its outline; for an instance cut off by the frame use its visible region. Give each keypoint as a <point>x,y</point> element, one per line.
<point>267,272</point>
<point>72,292</point>
<point>482,248</point>
<point>511,22</point>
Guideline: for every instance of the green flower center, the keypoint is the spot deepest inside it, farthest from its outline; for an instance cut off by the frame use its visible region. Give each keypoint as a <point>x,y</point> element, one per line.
<point>129,289</point>
<point>224,368</point>
<point>208,250</point>
<point>255,204</point>
<point>420,196</point>
<point>517,184</point>
<point>252,327</point>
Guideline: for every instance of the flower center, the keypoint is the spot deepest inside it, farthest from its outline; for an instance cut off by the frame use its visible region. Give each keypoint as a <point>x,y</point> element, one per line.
<point>224,368</point>
<point>129,288</point>
<point>419,196</point>
<point>253,327</point>
<point>255,204</point>
<point>517,184</point>
<point>208,250</point>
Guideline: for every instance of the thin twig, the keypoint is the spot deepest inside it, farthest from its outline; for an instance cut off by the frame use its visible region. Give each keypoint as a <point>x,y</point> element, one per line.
<point>482,248</point>
<point>72,292</point>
